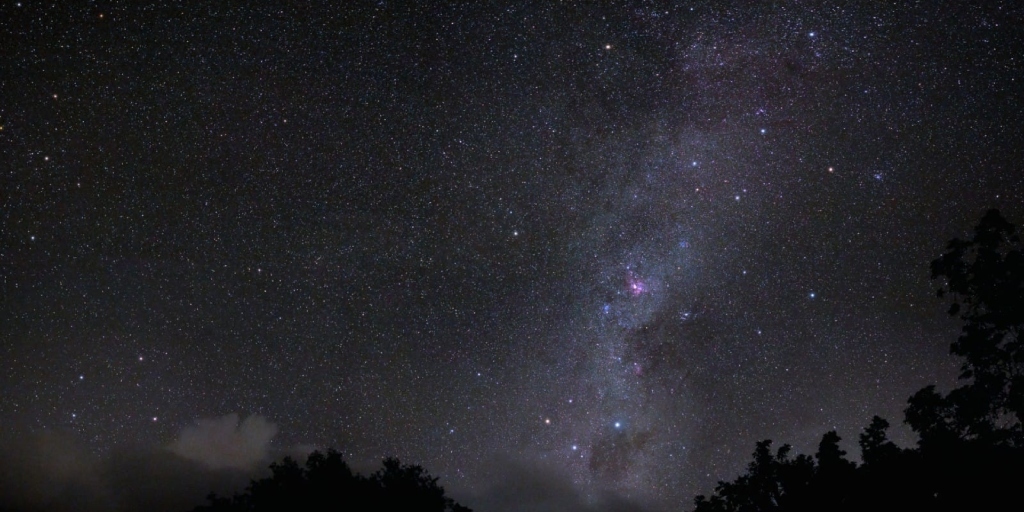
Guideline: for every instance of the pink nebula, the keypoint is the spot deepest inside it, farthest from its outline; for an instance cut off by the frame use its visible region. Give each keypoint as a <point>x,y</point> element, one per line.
<point>637,286</point>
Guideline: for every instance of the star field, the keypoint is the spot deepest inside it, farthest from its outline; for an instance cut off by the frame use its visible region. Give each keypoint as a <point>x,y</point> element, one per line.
<point>618,244</point>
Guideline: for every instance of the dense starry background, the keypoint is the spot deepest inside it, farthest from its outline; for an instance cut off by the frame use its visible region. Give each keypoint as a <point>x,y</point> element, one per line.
<point>556,252</point>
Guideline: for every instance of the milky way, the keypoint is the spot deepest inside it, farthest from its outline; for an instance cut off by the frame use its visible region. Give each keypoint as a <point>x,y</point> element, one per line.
<point>611,246</point>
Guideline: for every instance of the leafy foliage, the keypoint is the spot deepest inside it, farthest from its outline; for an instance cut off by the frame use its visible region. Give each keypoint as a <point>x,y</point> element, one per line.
<point>970,454</point>
<point>770,483</point>
<point>985,278</point>
<point>327,483</point>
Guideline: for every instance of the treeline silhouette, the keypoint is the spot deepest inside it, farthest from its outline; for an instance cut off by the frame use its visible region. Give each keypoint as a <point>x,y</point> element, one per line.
<point>970,449</point>
<point>327,482</point>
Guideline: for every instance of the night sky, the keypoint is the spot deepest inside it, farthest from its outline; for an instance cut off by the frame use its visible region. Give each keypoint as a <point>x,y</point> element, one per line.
<point>561,252</point>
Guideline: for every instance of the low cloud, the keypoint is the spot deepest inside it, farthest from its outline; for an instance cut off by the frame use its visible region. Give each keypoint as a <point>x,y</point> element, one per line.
<point>54,471</point>
<point>224,443</point>
<point>50,471</point>
<point>532,486</point>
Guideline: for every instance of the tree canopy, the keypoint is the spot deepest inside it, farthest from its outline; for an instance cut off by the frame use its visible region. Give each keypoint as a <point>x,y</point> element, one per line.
<point>326,482</point>
<point>970,452</point>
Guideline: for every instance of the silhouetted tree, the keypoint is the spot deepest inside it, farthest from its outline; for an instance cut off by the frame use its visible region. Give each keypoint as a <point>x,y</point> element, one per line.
<point>326,483</point>
<point>772,482</point>
<point>875,447</point>
<point>970,453</point>
<point>830,484</point>
<point>401,487</point>
<point>985,279</point>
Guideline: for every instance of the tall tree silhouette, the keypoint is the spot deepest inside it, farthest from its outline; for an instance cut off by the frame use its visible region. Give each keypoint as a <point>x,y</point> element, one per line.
<point>875,446</point>
<point>970,452</point>
<point>985,279</point>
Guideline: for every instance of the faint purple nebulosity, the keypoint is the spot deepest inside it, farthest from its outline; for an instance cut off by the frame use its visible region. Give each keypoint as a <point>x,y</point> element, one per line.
<point>637,286</point>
